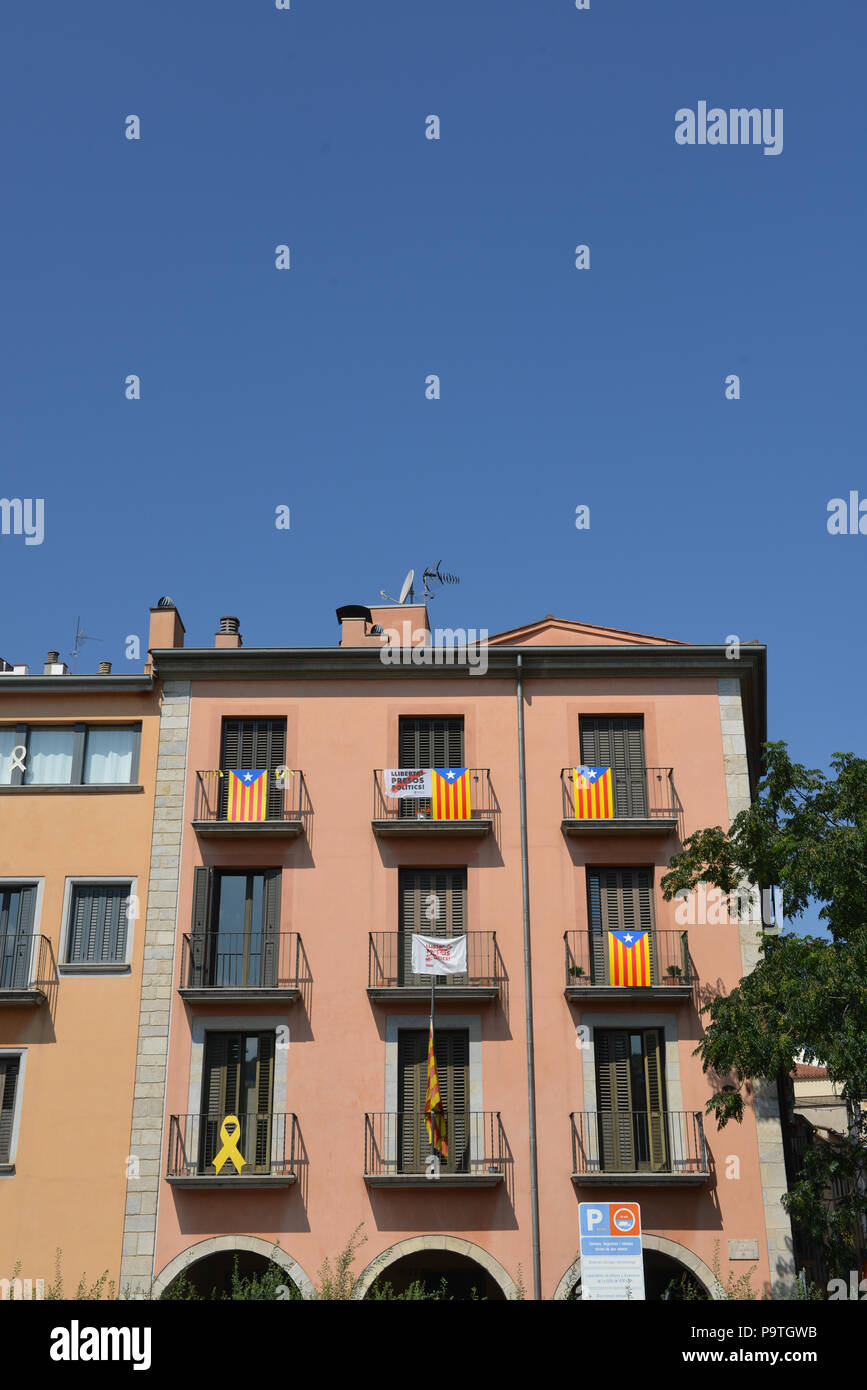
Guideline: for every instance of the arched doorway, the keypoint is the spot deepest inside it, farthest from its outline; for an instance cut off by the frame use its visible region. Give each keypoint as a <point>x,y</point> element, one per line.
<point>209,1265</point>
<point>468,1270</point>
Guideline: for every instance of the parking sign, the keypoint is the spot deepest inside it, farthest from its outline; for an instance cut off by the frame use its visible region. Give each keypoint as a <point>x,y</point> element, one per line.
<point>611,1261</point>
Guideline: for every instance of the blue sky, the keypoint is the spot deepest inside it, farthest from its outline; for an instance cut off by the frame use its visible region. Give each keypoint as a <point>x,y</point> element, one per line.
<point>409,256</point>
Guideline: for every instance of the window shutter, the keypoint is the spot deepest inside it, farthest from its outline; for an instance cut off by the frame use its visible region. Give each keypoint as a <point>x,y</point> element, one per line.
<point>453,1061</point>
<point>265,1085</point>
<point>653,1074</point>
<point>452,1047</point>
<point>259,743</point>
<point>200,926</point>
<point>271,927</point>
<point>614,1100</point>
<point>414,888</point>
<point>428,743</point>
<point>9,1067</point>
<point>618,900</point>
<point>17,916</point>
<point>98,926</point>
<point>412,1085</point>
<point>618,744</point>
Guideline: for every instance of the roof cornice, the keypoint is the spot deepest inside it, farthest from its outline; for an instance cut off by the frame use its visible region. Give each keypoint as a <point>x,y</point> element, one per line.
<point>11,685</point>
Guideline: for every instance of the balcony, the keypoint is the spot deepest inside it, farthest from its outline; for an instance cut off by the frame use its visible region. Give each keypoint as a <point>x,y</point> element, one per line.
<point>242,966</point>
<point>397,1151</point>
<point>266,1142</point>
<point>281,813</point>
<point>644,803</point>
<point>390,977</point>
<point>28,973</point>
<point>433,817</point>
<point>638,1148</point>
<point>589,969</point>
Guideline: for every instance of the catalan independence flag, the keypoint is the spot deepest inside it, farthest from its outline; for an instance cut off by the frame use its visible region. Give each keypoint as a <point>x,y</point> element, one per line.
<point>629,958</point>
<point>594,793</point>
<point>450,793</point>
<point>248,794</point>
<point>434,1115</point>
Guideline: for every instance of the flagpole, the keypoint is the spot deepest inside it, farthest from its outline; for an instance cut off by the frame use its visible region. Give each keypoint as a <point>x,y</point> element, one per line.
<point>433,980</point>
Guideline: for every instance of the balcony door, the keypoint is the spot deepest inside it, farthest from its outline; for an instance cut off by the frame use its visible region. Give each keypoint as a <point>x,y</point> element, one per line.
<point>236,929</point>
<point>630,1089</point>
<point>238,1079</point>
<point>427,743</point>
<point>618,900</point>
<point>452,1050</point>
<point>433,902</point>
<point>17,915</point>
<point>254,743</point>
<point>618,743</point>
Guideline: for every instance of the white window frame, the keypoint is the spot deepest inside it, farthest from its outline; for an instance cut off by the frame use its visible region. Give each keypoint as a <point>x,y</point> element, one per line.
<point>65,967</point>
<point>7,1168</point>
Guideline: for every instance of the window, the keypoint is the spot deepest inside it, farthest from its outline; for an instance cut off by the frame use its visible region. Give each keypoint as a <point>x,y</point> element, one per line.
<point>238,1079</point>
<point>70,755</point>
<point>432,902</point>
<point>452,1050</point>
<point>235,929</point>
<point>9,1069</point>
<point>630,1086</point>
<point>254,743</point>
<point>618,744</point>
<point>17,913</point>
<point>97,923</point>
<point>427,743</point>
<point>618,900</point>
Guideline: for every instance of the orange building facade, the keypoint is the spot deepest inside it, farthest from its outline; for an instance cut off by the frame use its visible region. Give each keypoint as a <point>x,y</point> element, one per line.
<point>281,1061</point>
<point>77,787</point>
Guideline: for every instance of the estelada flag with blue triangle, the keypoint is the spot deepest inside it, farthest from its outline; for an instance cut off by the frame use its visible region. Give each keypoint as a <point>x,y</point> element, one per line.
<point>594,796</point>
<point>434,1115</point>
<point>248,794</point>
<point>450,793</point>
<point>629,958</point>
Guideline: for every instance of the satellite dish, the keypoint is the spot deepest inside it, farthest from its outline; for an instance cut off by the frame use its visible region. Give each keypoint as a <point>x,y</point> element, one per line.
<point>406,588</point>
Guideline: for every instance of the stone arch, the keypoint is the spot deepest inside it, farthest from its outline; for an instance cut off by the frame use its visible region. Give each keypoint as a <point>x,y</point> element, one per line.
<point>457,1246</point>
<point>672,1248</point>
<point>254,1245</point>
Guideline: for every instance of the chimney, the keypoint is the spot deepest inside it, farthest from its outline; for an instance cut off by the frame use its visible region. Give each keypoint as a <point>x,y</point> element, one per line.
<point>21,670</point>
<point>405,625</point>
<point>166,629</point>
<point>53,665</point>
<point>229,634</point>
<point>105,668</point>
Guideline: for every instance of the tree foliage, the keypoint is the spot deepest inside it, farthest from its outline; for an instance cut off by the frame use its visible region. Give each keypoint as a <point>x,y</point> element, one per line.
<point>806,835</point>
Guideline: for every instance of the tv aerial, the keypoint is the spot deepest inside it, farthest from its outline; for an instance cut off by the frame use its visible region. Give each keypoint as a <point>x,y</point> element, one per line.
<point>80,636</point>
<point>441,578</point>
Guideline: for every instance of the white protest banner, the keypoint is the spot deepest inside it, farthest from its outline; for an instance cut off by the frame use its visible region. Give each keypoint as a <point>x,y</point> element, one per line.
<point>437,955</point>
<point>407,781</point>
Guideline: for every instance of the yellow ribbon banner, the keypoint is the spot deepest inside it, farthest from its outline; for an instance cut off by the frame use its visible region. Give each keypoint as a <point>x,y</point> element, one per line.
<point>230,1133</point>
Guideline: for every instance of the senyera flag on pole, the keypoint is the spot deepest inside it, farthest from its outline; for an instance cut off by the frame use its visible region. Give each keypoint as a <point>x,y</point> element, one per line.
<point>594,794</point>
<point>248,794</point>
<point>434,1115</point>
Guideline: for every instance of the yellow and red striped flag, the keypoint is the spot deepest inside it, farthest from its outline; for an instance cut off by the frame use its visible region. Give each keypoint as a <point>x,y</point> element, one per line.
<point>594,795</point>
<point>450,793</point>
<point>629,958</point>
<point>434,1115</point>
<point>248,794</point>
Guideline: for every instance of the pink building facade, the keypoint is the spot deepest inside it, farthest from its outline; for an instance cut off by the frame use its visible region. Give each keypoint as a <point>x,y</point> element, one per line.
<point>278,982</point>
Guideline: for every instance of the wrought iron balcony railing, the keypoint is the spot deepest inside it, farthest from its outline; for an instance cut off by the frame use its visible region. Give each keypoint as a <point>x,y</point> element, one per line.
<point>27,965</point>
<point>285,801</point>
<point>438,809</point>
<point>639,794</point>
<point>241,961</point>
<point>589,964</point>
<point>396,1144</point>
<point>666,1144</point>
<point>266,1142</point>
<point>390,963</point>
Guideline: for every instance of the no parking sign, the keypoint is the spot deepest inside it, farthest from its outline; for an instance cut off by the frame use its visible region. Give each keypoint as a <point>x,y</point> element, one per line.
<point>611,1262</point>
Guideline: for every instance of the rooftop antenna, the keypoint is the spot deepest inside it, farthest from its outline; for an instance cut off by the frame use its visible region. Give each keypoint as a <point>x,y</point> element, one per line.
<point>436,574</point>
<point>405,590</point>
<point>80,636</point>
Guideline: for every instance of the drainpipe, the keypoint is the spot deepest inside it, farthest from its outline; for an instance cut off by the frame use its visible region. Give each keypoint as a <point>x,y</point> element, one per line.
<point>528,997</point>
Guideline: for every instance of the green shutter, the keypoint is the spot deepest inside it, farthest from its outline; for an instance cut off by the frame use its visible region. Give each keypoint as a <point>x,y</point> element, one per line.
<point>415,887</point>
<point>271,928</point>
<point>9,1067</point>
<point>259,743</point>
<point>452,1048</point>
<point>618,743</point>
<point>656,1122</point>
<point>201,928</point>
<point>428,743</point>
<point>618,900</point>
<point>614,1100</point>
